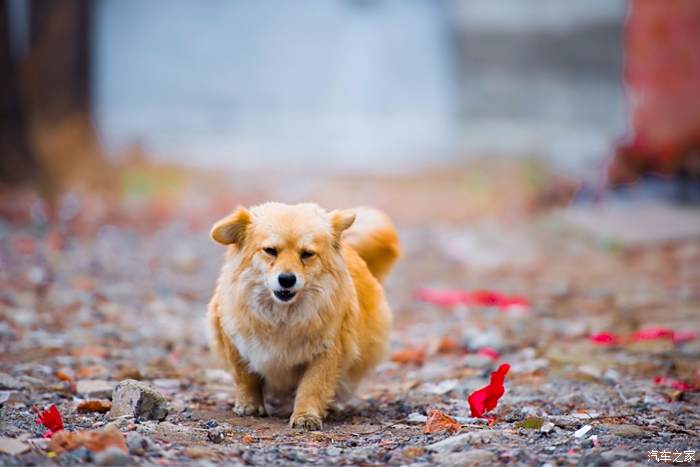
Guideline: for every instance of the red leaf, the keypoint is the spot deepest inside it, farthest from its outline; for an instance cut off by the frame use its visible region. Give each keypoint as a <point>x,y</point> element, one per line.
<point>485,298</point>
<point>485,399</point>
<point>446,298</point>
<point>684,336</point>
<point>605,338</point>
<point>489,352</point>
<point>652,334</point>
<point>51,419</point>
<point>674,383</point>
<point>439,421</point>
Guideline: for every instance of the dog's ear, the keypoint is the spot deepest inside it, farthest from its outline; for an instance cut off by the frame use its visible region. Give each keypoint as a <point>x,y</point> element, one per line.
<point>341,220</point>
<point>232,228</point>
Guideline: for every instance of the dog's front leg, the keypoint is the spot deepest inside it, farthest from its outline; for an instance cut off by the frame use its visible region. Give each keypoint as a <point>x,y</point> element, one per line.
<point>316,390</point>
<point>249,398</point>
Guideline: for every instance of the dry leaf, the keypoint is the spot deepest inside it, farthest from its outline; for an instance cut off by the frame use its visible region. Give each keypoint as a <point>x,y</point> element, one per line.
<point>439,421</point>
<point>94,405</point>
<point>415,356</point>
<point>93,440</point>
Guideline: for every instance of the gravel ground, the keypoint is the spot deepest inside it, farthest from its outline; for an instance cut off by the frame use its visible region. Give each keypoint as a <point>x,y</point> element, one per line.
<point>90,300</point>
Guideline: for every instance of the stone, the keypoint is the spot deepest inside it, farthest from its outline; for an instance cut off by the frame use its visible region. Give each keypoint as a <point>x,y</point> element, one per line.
<point>465,458</point>
<point>12,446</point>
<point>9,382</point>
<point>625,430</point>
<point>113,456</point>
<point>137,399</point>
<point>581,432</point>
<point>547,427</point>
<point>137,443</point>
<point>415,417</point>
<point>216,435</point>
<point>463,441</point>
<point>95,388</point>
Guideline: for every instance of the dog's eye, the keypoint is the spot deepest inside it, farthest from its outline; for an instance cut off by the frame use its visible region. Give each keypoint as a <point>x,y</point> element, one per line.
<point>270,251</point>
<point>307,254</point>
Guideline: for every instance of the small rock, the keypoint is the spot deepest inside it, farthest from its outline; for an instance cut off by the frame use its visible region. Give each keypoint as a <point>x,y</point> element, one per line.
<point>113,456</point>
<point>131,397</point>
<point>625,430</point>
<point>333,451</point>
<point>12,446</point>
<point>530,366</point>
<point>197,452</point>
<point>9,382</point>
<point>441,388</point>
<point>462,441</point>
<point>95,388</point>
<point>216,435</point>
<point>581,432</point>
<point>416,417</point>
<point>466,458</point>
<point>547,427</point>
<point>137,443</point>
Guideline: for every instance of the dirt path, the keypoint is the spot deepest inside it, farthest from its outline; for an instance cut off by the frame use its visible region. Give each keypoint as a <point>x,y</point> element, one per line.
<point>123,303</point>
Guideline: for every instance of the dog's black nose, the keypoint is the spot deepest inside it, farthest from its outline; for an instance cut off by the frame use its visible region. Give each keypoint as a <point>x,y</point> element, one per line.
<point>287,280</point>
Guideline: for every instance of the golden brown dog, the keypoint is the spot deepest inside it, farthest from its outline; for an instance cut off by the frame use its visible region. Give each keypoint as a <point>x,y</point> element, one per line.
<point>299,308</point>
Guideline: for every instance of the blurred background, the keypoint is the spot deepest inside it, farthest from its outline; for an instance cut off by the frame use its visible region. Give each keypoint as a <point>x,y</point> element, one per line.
<point>348,87</point>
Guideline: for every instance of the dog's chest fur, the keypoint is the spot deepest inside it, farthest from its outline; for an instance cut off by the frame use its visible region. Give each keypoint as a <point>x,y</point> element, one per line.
<point>279,356</point>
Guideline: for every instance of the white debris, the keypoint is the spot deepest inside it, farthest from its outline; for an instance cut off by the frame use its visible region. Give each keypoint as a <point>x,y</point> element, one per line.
<point>581,432</point>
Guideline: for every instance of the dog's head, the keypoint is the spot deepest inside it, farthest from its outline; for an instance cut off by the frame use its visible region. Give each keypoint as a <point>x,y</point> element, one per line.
<point>286,249</point>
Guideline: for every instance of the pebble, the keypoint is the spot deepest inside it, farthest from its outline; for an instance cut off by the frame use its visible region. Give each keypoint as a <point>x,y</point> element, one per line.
<point>95,388</point>
<point>12,446</point>
<point>581,432</point>
<point>547,427</point>
<point>216,435</point>
<point>625,430</point>
<point>113,456</point>
<point>137,443</point>
<point>462,441</point>
<point>9,382</point>
<point>131,397</point>
<point>416,417</point>
<point>464,458</point>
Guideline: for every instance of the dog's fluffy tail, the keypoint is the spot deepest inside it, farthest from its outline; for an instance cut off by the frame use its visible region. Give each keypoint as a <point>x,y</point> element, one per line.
<point>374,238</point>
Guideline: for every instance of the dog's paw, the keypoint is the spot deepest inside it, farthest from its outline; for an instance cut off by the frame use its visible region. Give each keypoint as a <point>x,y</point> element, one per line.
<point>246,408</point>
<point>305,421</point>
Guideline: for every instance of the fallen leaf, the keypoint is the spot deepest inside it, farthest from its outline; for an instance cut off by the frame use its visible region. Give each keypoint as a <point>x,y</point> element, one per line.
<point>65,374</point>
<point>674,383</point>
<point>51,419</point>
<point>448,345</point>
<point>248,439</point>
<point>94,405</point>
<point>604,338</point>
<point>406,356</point>
<point>91,371</point>
<point>439,421</point>
<point>652,334</point>
<point>530,423</point>
<point>486,298</point>
<point>93,440</point>
<point>489,352</point>
<point>485,399</point>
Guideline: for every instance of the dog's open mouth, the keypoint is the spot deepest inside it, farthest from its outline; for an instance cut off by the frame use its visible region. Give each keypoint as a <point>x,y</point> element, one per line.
<point>284,295</point>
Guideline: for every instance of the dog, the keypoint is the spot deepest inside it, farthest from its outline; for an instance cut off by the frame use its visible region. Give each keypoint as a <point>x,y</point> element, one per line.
<point>299,307</point>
